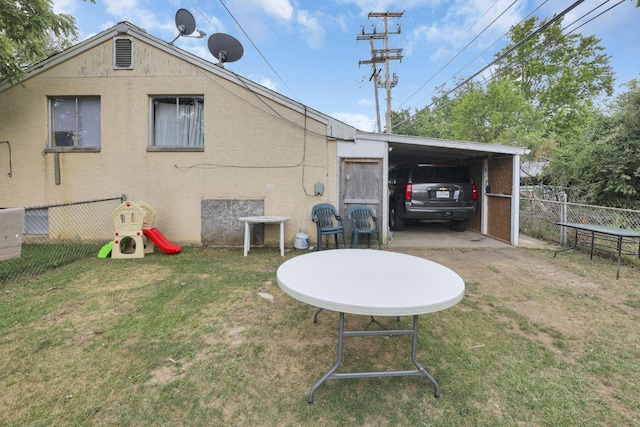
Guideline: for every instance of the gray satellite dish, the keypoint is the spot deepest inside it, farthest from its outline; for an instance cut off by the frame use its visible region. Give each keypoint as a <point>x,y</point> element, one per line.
<point>186,25</point>
<point>185,22</point>
<point>225,48</point>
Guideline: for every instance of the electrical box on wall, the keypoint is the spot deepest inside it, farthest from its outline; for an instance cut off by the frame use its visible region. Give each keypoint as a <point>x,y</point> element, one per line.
<point>318,188</point>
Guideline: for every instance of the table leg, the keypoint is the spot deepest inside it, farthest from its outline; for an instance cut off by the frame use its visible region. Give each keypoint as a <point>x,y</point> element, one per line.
<point>282,239</point>
<point>575,244</point>
<point>338,362</point>
<point>247,237</point>
<point>420,371</point>
<point>414,346</point>
<point>619,256</point>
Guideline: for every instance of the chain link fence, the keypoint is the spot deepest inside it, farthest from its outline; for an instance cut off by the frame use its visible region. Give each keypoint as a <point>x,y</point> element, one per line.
<point>56,235</point>
<point>540,209</point>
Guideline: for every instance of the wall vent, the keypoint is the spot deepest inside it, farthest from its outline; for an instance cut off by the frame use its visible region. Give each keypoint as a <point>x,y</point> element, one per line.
<point>123,53</point>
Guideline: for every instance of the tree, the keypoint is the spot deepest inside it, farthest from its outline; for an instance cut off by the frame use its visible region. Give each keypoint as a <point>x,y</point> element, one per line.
<point>605,163</point>
<point>29,29</point>
<point>498,114</point>
<point>562,75</point>
<point>544,92</point>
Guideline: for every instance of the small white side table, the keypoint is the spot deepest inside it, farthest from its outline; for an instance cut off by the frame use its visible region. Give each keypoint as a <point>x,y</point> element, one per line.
<point>248,220</point>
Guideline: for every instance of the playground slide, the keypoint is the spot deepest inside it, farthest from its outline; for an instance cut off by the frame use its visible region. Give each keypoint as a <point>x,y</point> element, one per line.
<point>105,251</point>
<point>160,241</point>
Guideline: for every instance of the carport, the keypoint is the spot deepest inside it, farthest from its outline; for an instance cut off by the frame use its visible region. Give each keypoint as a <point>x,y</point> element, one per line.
<point>365,163</point>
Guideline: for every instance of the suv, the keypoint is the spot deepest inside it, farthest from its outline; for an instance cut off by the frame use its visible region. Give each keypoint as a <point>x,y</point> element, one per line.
<point>431,192</point>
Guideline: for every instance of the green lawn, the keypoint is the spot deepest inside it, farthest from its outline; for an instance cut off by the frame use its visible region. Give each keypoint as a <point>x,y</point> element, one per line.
<point>196,339</point>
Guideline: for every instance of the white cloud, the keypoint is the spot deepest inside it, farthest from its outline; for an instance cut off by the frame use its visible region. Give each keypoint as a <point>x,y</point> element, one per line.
<point>281,9</point>
<point>65,6</point>
<point>311,27</point>
<point>120,8</point>
<point>367,6</point>
<point>359,121</point>
<point>265,81</point>
<point>216,23</point>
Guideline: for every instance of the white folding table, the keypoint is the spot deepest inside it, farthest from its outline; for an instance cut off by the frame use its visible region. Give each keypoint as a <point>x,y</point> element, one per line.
<point>248,220</point>
<point>373,283</point>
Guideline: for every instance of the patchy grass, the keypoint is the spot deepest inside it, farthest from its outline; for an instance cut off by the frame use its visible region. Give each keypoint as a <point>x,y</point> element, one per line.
<point>206,337</point>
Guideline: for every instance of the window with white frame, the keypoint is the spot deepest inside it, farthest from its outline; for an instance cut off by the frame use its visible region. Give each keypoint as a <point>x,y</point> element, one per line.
<point>177,122</point>
<point>74,122</point>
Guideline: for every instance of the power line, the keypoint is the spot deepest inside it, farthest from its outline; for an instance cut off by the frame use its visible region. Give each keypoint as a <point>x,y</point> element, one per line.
<point>504,54</point>
<point>541,46</point>
<point>478,56</point>
<point>257,49</point>
<point>460,52</point>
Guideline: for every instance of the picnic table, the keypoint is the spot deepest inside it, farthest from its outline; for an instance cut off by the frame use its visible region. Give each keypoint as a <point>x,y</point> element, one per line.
<point>611,239</point>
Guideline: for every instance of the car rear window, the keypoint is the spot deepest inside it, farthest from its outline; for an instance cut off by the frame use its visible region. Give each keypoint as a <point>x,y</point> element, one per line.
<point>440,174</point>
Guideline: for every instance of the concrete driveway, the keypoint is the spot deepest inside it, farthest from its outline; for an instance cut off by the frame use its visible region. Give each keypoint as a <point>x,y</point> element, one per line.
<point>439,235</point>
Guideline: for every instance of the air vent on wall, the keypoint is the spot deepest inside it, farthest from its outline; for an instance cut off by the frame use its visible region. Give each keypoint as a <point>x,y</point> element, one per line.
<point>123,53</point>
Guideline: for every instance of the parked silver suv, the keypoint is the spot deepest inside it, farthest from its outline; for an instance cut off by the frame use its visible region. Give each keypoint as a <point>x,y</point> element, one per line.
<point>431,192</point>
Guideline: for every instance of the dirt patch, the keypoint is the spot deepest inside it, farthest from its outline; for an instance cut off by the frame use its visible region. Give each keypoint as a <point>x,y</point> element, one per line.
<point>569,304</point>
<point>540,287</point>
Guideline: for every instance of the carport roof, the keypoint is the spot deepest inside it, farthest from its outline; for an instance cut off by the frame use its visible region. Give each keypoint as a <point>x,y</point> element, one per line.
<point>407,148</point>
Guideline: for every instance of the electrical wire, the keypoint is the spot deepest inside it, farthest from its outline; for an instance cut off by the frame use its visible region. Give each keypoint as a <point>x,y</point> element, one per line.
<point>477,20</point>
<point>481,53</point>
<point>258,49</point>
<point>501,56</point>
<point>460,52</point>
<point>562,35</point>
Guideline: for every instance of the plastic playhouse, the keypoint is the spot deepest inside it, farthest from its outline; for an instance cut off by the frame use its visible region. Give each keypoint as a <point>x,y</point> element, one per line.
<point>134,234</point>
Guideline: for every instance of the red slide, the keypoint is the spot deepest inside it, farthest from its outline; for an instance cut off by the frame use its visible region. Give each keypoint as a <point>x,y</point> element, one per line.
<point>160,241</point>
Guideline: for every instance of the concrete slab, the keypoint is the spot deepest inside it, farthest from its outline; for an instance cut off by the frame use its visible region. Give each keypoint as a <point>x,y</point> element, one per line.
<point>439,235</point>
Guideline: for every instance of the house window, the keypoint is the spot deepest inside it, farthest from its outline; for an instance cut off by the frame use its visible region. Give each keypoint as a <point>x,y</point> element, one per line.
<point>75,122</point>
<point>178,123</point>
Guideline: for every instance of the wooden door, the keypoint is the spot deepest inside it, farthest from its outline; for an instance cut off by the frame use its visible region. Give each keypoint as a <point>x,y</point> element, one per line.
<point>360,184</point>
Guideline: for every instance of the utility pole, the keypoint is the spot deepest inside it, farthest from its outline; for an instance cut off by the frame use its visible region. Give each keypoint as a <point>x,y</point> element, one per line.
<point>382,55</point>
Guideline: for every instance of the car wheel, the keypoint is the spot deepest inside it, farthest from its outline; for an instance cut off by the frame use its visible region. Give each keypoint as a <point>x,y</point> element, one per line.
<point>460,225</point>
<point>395,222</point>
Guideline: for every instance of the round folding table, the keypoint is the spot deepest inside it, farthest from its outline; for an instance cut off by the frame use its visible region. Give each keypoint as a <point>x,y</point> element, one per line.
<point>372,283</point>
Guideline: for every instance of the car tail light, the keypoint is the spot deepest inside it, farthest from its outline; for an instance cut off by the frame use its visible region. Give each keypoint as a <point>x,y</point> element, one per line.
<point>474,192</point>
<point>407,192</point>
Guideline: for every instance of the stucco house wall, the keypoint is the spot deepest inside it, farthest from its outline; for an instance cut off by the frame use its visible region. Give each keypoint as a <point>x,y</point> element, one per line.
<point>258,145</point>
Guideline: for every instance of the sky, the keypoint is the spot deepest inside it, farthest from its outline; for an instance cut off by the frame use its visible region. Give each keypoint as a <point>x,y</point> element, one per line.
<point>308,50</point>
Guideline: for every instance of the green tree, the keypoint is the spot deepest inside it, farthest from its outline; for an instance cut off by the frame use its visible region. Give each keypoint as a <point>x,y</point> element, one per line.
<point>499,113</point>
<point>433,121</point>
<point>544,94</point>
<point>605,163</point>
<point>29,32</point>
<point>562,75</point>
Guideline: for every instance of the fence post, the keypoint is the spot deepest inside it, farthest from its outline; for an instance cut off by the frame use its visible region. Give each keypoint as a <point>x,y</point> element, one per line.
<point>563,218</point>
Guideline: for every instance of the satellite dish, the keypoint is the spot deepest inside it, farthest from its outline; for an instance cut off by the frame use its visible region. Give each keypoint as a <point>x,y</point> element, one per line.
<point>225,48</point>
<point>186,25</point>
<point>185,22</point>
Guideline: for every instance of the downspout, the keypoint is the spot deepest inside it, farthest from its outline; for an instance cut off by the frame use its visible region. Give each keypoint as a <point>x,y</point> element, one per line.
<point>10,163</point>
<point>56,166</point>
